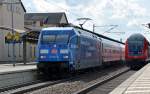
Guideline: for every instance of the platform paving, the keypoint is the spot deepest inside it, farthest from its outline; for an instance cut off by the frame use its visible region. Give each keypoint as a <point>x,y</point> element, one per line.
<point>8,68</point>
<point>19,74</point>
<point>139,83</point>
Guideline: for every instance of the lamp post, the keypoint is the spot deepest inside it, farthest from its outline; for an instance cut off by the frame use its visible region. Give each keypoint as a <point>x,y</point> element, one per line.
<point>12,25</point>
<point>13,33</point>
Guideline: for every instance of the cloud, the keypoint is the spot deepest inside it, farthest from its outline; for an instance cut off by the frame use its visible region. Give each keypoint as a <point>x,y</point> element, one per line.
<point>76,2</point>
<point>101,11</point>
<point>126,9</point>
<point>49,6</point>
<point>128,14</point>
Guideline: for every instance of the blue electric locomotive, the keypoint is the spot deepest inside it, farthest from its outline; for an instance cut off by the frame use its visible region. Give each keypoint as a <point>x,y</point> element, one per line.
<point>68,48</point>
<point>74,48</point>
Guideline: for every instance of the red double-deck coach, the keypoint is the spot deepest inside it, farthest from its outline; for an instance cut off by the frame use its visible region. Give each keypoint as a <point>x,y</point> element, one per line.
<point>137,51</point>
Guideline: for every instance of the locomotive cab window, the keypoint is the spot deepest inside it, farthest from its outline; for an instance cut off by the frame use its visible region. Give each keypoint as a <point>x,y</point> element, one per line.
<point>62,38</point>
<point>48,38</point>
<point>135,45</point>
<point>55,38</point>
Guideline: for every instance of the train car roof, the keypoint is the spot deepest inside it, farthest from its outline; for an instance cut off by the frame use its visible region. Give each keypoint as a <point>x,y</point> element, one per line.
<point>58,28</point>
<point>136,36</point>
<point>72,27</point>
<point>102,36</point>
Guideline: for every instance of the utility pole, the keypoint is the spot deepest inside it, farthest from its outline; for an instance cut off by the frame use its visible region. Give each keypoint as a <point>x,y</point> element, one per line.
<point>13,33</point>
<point>93,27</point>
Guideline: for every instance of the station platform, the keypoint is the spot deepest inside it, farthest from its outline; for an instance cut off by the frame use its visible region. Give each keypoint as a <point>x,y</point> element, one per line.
<point>15,75</point>
<point>139,83</point>
<point>9,68</point>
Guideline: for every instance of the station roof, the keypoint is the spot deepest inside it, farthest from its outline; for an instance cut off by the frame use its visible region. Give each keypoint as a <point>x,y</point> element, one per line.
<point>22,6</point>
<point>31,36</point>
<point>10,29</point>
<point>50,18</point>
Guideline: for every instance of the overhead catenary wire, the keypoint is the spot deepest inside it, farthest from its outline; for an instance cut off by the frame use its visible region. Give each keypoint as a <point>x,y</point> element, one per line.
<point>75,14</point>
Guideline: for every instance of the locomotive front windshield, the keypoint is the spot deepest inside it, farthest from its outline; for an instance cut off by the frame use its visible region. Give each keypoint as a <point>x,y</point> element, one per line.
<point>135,47</point>
<point>52,38</point>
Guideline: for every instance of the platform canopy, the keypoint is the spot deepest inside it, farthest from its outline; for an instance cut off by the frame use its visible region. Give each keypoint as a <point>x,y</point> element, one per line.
<point>31,36</point>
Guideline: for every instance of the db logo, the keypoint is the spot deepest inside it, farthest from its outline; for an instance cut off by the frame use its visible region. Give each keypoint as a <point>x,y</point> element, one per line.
<point>53,51</point>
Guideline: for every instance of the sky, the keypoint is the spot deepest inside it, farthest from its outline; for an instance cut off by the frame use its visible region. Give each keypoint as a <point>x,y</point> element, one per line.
<point>128,15</point>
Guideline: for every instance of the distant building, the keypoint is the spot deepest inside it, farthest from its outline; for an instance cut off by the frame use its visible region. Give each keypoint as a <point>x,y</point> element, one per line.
<point>11,18</point>
<point>37,21</point>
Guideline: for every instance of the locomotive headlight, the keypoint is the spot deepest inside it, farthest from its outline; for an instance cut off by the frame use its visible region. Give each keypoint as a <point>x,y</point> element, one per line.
<point>64,51</point>
<point>43,57</point>
<point>65,57</point>
<point>44,51</point>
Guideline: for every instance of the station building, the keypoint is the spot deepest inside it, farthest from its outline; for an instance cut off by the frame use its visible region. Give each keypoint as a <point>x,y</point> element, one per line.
<point>16,24</point>
<point>11,20</point>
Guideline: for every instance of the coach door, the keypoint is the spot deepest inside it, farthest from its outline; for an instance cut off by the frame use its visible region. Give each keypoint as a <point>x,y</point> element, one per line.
<point>73,45</point>
<point>100,51</point>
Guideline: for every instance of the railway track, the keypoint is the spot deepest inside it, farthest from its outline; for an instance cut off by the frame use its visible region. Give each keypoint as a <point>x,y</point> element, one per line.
<point>18,86</point>
<point>16,79</point>
<point>78,84</point>
<point>33,86</point>
<point>107,84</point>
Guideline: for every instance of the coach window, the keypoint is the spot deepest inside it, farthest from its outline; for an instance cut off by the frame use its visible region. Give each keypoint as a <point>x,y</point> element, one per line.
<point>149,51</point>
